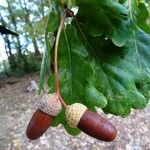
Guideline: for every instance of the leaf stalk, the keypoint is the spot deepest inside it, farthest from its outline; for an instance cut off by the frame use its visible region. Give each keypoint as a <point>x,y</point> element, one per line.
<point>56,59</point>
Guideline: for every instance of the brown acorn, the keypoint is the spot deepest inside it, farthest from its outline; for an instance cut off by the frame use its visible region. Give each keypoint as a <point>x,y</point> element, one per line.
<point>41,120</point>
<point>91,123</point>
<point>69,13</point>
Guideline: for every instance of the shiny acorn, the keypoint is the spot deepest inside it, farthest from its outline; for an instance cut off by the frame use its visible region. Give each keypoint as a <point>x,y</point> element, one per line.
<point>91,123</point>
<point>69,13</point>
<point>42,118</point>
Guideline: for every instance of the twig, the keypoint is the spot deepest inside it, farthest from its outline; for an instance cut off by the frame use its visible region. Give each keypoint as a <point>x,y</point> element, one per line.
<point>56,60</point>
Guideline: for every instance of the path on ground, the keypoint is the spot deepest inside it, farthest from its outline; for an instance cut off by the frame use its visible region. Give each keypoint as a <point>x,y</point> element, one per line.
<point>17,107</point>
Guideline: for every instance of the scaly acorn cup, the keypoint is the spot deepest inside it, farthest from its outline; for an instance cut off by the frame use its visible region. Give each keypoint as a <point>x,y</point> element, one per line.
<point>78,116</point>
<point>49,107</point>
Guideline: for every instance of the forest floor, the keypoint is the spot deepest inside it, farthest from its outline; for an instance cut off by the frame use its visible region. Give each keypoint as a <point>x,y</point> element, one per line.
<point>17,107</point>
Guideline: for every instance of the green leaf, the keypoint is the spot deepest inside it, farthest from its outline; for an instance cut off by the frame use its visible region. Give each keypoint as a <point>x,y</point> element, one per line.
<point>113,84</point>
<point>72,131</point>
<point>139,14</point>
<point>71,55</point>
<point>61,119</point>
<point>138,53</point>
<point>94,98</point>
<point>122,1</point>
<point>105,17</point>
<point>73,67</point>
<point>52,25</point>
<point>103,61</point>
<point>115,76</point>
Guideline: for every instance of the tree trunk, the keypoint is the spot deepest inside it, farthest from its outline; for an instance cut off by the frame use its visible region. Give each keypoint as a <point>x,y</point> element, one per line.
<point>11,57</point>
<point>27,20</point>
<point>18,44</point>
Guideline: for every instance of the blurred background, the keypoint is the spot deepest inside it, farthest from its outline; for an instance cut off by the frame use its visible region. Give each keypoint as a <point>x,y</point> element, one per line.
<point>20,60</point>
<point>22,54</point>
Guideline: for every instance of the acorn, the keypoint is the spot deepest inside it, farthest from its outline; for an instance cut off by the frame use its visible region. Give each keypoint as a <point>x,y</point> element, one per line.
<point>91,123</point>
<point>69,13</point>
<point>49,107</point>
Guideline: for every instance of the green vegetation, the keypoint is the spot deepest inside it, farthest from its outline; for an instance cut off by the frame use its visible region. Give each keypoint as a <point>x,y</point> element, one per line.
<point>103,55</point>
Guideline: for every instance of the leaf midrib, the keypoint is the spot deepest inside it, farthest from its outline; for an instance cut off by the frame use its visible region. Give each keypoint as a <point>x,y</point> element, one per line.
<point>97,60</point>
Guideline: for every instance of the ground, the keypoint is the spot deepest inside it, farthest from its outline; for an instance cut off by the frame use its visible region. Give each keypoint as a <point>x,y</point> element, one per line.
<point>17,107</point>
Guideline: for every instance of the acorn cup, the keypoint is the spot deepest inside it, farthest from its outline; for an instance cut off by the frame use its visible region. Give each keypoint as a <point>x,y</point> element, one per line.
<point>42,118</point>
<point>91,123</point>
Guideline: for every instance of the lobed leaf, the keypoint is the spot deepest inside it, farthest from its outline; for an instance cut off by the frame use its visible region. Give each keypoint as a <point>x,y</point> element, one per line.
<point>107,18</point>
<point>103,59</point>
<point>115,76</point>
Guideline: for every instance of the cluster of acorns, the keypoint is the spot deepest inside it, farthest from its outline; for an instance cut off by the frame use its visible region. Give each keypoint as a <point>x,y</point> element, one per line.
<point>77,115</point>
